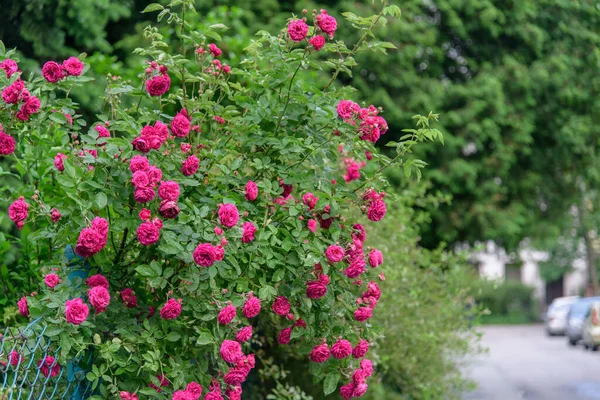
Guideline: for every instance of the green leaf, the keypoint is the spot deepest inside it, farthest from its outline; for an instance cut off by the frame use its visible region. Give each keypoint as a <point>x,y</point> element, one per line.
<point>204,338</point>
<point>146,271</point>
<point>330,384</point>
<point>153,7</point>
<point>173,336</point>
<point>101,200</point>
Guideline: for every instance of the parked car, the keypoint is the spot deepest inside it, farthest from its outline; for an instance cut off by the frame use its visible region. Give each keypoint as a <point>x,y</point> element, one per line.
<point>556,316</point>
<point>591,328</point>
<point>576,318</point>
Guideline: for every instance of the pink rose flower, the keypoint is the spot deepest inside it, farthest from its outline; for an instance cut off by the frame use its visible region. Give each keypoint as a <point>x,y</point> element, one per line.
<point>49,367</point>
<point>91,241</point>
<point>204,255</point>
<point>13,93</point>
<point>148,233</point>
<point>315,289</point>
<point>76,311</point>
<point>51,280</point>
<point>138,163</point>
<point>168,209</point>
<point>346,391</point>
<point>317,42</point>
<point>249,229</point>
<point>18,211</point>
<point>102,131</point>
<point>310,200</point>
<point>9,66</point>
<point>367,367</point>
<point>7,144</point>
<point>55,215</point>
<point>297,30</point>
<point>15,358</point>
<point>218,231</point>
<point>169,190</point>
<point>144,194</point>
<point>23,308</point>
<point>251,191</point>
<point>99,298</point>
<point>140,179</point>
<point>181,125</point>
<point>171,309</point>
<point>244,334</point>
<point>158,85</point>
<point>226,315</point>
<point>145,214</point>
<point>285,336</point>
<point>52,72</point>
<point>234,393</point>
<point>97,280</point>
<point>361,349</point>
<point>372,291</point>
<point>228,215</point>
<point>235,377</point>
<point>213,396</point>
<point>182,395</point>
<point>341,349</point>
<point>360,389</point>
<point>320,353</point>
<point>326,23</point>
<point>231,351</point>
<point>359,233</point>
<point>195,389</point>
<point>281,306</point>
<point>214,50</point>
<point>376,210</point>
<point>252,307</point>
<point>155,174</point>
<point>346,109</point>
<point>129,298</point>
<point>73,66</point>
<point>356,268</point>
<point>128,396</point>
<point>334,254</point>
<point>363,314</point>
<point>190,165</point>
<point>312,225</point>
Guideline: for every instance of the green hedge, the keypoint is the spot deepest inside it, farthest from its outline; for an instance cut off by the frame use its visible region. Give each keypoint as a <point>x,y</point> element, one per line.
<point>507,302</point>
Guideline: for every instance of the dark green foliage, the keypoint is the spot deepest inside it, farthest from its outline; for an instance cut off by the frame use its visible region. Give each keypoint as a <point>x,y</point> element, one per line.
<point>506,301</point>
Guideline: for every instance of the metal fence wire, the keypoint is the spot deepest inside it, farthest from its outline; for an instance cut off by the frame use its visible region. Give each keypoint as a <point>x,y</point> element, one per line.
<point>29,367</point>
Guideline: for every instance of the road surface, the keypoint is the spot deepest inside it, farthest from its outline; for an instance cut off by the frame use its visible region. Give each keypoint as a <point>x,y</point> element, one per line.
<point>523,363</point>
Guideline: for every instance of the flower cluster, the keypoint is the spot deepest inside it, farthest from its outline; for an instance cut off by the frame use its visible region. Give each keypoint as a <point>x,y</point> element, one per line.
<point>370,125</point>
<point>54,72</point>
<point>93,239</point>
<point>158,81</point>
<point>324,23</point>
<point>16,93</point>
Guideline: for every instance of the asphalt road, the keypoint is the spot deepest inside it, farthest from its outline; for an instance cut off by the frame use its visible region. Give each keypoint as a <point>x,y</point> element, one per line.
<point>523,363</point>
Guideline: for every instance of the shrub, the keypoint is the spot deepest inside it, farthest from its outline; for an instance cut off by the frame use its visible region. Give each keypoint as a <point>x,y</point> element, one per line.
<point>506,301</point>
<point>202,199</point>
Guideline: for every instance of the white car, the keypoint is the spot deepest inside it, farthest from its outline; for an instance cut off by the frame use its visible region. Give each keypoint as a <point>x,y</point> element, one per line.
<point>556,316</point>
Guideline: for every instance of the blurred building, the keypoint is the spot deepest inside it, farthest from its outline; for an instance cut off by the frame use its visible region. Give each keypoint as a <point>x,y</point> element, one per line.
<point>493,262</point>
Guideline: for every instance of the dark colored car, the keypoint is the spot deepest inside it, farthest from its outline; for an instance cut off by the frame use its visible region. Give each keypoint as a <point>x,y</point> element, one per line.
<point>576,318</point>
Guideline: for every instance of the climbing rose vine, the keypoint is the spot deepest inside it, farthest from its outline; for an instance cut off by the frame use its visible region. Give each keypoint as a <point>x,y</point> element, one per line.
<point>206,210</point>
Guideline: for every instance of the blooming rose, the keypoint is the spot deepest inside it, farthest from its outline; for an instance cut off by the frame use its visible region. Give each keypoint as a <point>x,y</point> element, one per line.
<point>361,349</point>
<point>182,395</point>
<point>297,30</point>
<point>51,280</point>
<point>214,395</point>
<point>215,51</point>
<point>251,191</point>
<point>138,163</point>
<point>372,291</point>
<point>281,306</point>
<point>89,242</point>
<point>226,315</point>
<point>320,353</point>
<point>9,66</point>
<point>326,23</point>
<point>230,351</point>
<point>52,72</point>
<point>235,376</point>
<point>7,144</point>
<point>357,267</point>
<point>13,92</point>
<point>55,215</point>
<point>359,376</point>
<point>249,229</point>
<point>244,334</point>
<point>228,215</point>
<point>310,200</point>
<point>140,179</point>
<point>334,253</point>
<point>143,194</point>
<point>375,258</point>
<point>23,308</point>
<point>171,309</point>
<point>15,358</point>
<point>102,131</point>
<point>359,232</point>
<point>317,42</point>
<point>158,85</point>
<point>284,336</point>
<point>168,209</point>
<point>97,280</point>
<point>376,210</point>
<point>312,225</point>
<point>367,367</point>
<point>341,349</point>
<point>49,367</point>
<point>99,298</point>
<point>234,393</point>
<point>155,174</point>
<point>347,108</point>
<point>129,298</point>
<point>195,389</point>
<point>363,314</point>
<point>18,212</point>
<point>169,190</point>
<point>148,233</point>
<point>73,66</point>
<point>128,396</point>
<point>360,389</point>
<point>76,311</point>
<point>31,106</point>
<point>315,289</point>
<point>252,307</point>
<point>346,391</point>
<point>190,165</point>
<point>181,125</point>
<point>204,254</point>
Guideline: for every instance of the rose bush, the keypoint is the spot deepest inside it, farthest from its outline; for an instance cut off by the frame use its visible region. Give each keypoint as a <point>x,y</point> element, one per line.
<point>215,195</point>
